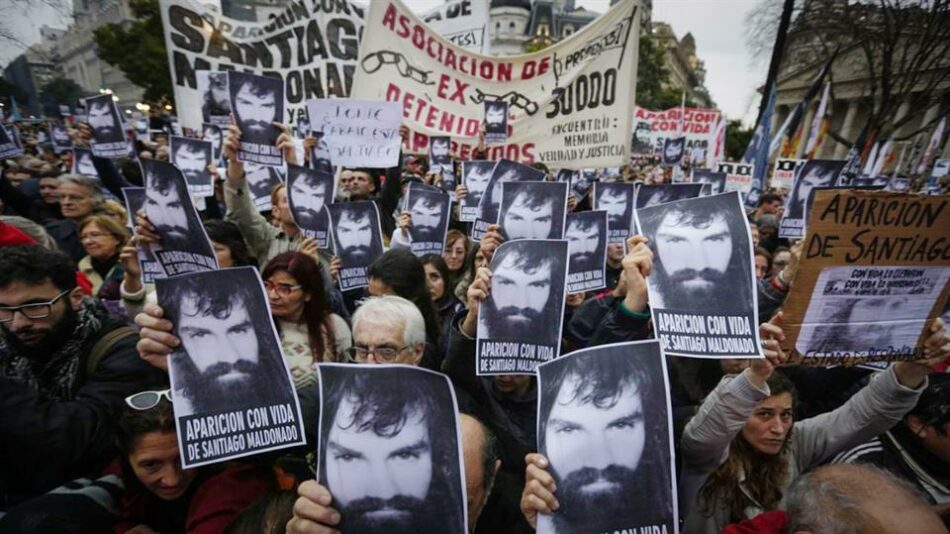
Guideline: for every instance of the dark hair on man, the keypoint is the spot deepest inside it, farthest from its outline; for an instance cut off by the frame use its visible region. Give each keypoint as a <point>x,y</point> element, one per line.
<point>427,200</point>
<point>401,270</point>
<point>373,175</point>
<point>768,198</point>
<point>228,234</point>
<point>33,265</point>
<point>533,197</point>
<point>933,407</point>
<point>164,178</point>
<point>526,258</point>
<point>584,223</point>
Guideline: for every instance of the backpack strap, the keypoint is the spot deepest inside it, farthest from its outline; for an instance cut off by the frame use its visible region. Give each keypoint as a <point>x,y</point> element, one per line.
<point>106,344</point>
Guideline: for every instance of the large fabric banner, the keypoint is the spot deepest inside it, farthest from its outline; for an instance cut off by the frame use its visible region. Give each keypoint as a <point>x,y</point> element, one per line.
<point>312,46</point>
<point>570,105</point>
<point>464,22</point>
<point>698,125</point>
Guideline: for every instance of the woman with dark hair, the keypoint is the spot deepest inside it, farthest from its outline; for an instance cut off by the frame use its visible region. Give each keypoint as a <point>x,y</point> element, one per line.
<point>309,331</point>
<point>456,250</point>
<point>437,281</point>
<point>473,261</point>
<point>228,243</point>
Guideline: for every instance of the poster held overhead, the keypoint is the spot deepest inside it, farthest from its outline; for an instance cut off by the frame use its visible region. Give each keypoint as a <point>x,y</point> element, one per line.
<point>714,182</point>
<point>431,209</point>
<point>651,195</point>
<point>359,133</point>
<point>59,138</point>
<point>617,200</point>
<point>673,149</point>
<point>261,181</point>
<point>475,177</point>
<point>783,176</point>
<point>214,97</point>
<point>310,191</point>
<point>440,153</point>
<point>496,122</point>
<point>533,210</point>
<point>256,104</point>
<point>490,202</point>
<point>813,173</point>
<point>193,157</point>
<point>586,235</point>
<point>9,148</point>
<point>357,240</point>
<point>215,135</point>
<point>738,176</point>
<point>108,136</point>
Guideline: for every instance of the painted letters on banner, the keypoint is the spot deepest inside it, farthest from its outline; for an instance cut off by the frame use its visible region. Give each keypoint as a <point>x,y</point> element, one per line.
<point>464,22</point>
<point>697,125</point>
<point>570,105</point>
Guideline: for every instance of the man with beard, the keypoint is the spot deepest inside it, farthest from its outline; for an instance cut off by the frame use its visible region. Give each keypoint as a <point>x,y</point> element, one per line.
<point>531,215</point>
<point>60,137</point>
<point>211,132</point>
<point>496,120</point>
<point>83,165</point>
<point>424,223</point>
<point>701,262</point>
<point>261,181</point>
<point>813,174</point>
<point>354,235</point>
<point>192,158</point>
<point>308,195</point>
<point>603,425</point>
<point>104,123</point>
<point>673,150</point>
<point>255,110</point>
<point>617,201</point>
<point>320,159</point>
<point>585,236</point>
<point>215,101</point>
<point>390,455</point>
<point>439,156</point>
<point>220,365</point>
<point>164,203</point>
<point>477,176</point>
<point>65,366</point>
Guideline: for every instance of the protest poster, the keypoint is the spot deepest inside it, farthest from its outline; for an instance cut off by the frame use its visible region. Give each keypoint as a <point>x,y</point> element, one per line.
<point>215,135</point>
<point>59,138</point>
<point>440,153</point>
<point>651,129</point>
<point>232,391</point>
<point>320,158</point>
<point>108,136</point>
<point>899,184</point>
<point>448,180</point>
<point>616,198</point>
<point>581,182</point>
<point>134,198</point>
<point>714,183</point>
<point>311,45</point>
<point>673,148</point>
<point>261,181</point>
<point>496,123</point>
<point>586,235</point>
<point>941,168</point>
<point>357,240</point>
<point>490,202</point>
<point>570,105</point>
<point>256,104</point>
<point>650,195</point>
<point>8,145</point>
<point>533,210</point>
<point>215,99</point>
<point>390,449</point>
<point>140,125</point>
<point>310,191</point>
<point>82,163</point>
<point>193,159</point>
<point>813,173</point>
<point>516,323</point>
<point>464,23</point>
<point>430,208</point>
<point>359,133</point>
<point>702,288</point>
<point>184,245</point>
<point>738,176</point>
<point>872,279</point>
<point>865,181</point>
<point>783,176</point>
<point>475,178</point>
<point>606,426</point>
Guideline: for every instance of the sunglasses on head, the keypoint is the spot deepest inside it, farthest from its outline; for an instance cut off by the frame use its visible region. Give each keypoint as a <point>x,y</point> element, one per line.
<point>146,400</point>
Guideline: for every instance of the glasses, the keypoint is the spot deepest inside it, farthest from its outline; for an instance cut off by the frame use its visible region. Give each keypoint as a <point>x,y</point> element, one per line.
<point>146,400</point>
<point>36,310</point>
<point>382,354</point>
<point>93,235</point>
<point>281,289</point>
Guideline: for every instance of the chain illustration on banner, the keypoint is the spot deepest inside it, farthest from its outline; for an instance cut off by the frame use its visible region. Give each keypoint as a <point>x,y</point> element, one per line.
<point>513,98</point>
<point>375,61</point>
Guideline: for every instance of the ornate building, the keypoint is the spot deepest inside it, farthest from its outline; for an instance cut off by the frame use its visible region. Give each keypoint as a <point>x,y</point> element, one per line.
<point>687,71</point>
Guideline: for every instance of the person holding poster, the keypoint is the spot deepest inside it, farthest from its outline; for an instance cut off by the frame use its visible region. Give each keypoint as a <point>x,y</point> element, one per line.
<point>424,220</point>
<point>504,171</point>
<point>108,136</point>
<point>701,289</point>
<point>215,97</point>
<point>617,200</point>
<point>193,159</point>
<point>475,178</point>
<point>59,138</point>
<point>309,192</point>
<point>440,153</point>
<point>82,163</point>
<point>605,429</point>
<point>257,103</point>
<point>232,391</point>
<point>652,195</point>
<point>586,236</point>
<point>814,173</point>
<point>357,240</point>
<point>533,210</point>
<point>213,134</point>
<point>496,122</point>
<point>526,300</point>
<point>390,450</point>
<point>261,181</point>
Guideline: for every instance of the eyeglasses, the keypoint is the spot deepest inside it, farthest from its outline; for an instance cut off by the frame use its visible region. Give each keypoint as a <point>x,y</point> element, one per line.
<point>146,400</point>
<point>382,354</point>
<point>281,289</point>
<point>35,310</point>
<point>93,235</point>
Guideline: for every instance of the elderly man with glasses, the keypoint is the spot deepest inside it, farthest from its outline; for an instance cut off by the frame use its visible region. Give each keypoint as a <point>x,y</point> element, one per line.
<point>65,367</point>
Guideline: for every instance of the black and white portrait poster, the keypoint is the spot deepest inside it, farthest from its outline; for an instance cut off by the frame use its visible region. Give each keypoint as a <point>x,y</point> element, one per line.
<point>814,173</point>
<point>257,102</point>
<point>475,177</point>
<point>586,235</point>
<point>82,163</point>
<point>533,210</point>
<point>440,153</point>
<point>193,159</point>
<point>59,138</point>
<point>302,128</point>
<point>673,149</point>
<point>261,181</point>
<point>490,202</point>
<point>714,182</point>
<point>449,181</point>
<point>108,137</point>
<point>320,159</point>
<point>430,208</point>
<point>516,323</point>
<point>310,191</point>
<point>215,135</point>
<point>232,391</point>
<point>605,426</point>
<point>581,182</point>
<point>390,450</point>
<point>357,240</point>
<point>9,148</point>
<point>651,195</point>
<point>184,246</point>
<point>496,122</point>
<point>215,98</point>
<point>134,198</point>
<point>702,288</point>
<point>616,198</point>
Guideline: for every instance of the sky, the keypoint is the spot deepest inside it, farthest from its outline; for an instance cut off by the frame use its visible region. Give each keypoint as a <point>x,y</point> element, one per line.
<point>732,73</point>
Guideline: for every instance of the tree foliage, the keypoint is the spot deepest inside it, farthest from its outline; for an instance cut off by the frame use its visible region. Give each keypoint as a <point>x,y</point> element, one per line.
<point>59,91</point>
<point>138,50</point>
<point>737,139</point>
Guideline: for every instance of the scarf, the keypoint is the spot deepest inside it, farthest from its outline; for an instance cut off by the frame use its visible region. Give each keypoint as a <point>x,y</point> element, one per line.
<point>55,376</point>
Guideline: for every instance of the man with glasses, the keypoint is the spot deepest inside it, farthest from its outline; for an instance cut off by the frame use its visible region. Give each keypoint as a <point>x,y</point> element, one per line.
<point>65,367</point>
<point>388,329</point>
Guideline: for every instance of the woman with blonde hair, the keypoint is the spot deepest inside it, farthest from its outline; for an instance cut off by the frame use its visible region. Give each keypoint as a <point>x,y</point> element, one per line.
<point>102,238</point>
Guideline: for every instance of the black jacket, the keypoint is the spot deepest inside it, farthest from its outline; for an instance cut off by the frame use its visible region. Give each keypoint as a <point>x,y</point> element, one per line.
<point>600,321</point>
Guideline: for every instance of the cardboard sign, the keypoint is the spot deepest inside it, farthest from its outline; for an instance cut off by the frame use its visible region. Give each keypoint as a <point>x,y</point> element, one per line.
<point>359,133</point>
<point>738,175</point>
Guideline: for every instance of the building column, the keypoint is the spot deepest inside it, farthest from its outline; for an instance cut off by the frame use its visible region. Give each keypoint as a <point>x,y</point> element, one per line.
<point>806,129</point>
<point>841,150</point>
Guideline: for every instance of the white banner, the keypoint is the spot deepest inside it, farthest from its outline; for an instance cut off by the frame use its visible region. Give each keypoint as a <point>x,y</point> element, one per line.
<point>463,22</point>
<point>697,125</point>
<point>570,105</point>
<point>312,46</point>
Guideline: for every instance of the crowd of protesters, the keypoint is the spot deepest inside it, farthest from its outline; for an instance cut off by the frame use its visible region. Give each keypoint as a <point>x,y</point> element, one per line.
<point>87,434</point>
